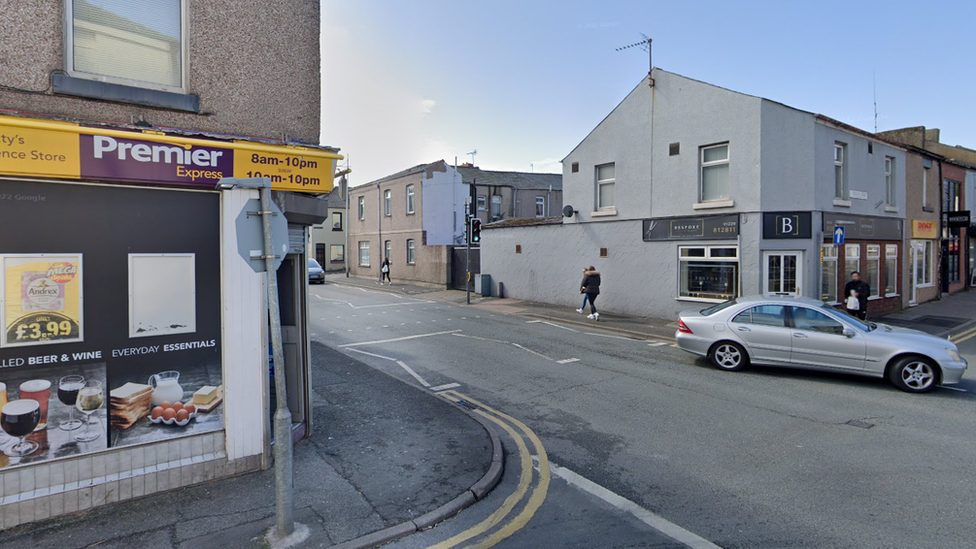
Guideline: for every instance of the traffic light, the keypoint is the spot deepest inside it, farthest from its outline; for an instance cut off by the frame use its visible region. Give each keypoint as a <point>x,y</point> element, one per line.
<point>475,231</point>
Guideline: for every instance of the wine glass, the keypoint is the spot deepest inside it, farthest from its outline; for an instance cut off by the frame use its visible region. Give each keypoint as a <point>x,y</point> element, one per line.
<point>90,398</point>
<point>19,418</point>
<point>68,387</point>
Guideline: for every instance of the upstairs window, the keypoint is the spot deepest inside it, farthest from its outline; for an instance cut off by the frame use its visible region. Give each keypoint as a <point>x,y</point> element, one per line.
<point>362,207</point>
<point>409,199</point>
<point>890,181</point>
<point>388,203</point>
<point>540,206</point>
<point>131,42</point>
<point>715,172</point>
<point>840,185</point>
<point>336,221</point>
<point>482,203</point>
<point>496,207</point>
<point>606,177</point>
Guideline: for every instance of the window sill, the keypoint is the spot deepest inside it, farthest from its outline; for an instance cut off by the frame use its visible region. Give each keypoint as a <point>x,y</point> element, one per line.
<point>928,209</point>
<point>889,296</point>
<point>80,87</point>
<point>841,203</point>
<point>712,204</point>
<point>411,213</point>
<point>891,209</point>
<point>701,299</point>
<point>334,230</point>
<point>925,286</point>
<point>606,212</point>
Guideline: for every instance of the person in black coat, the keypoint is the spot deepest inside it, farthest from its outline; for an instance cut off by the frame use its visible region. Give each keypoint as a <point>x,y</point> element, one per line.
<point>862,289</point>
<point>591,287</point>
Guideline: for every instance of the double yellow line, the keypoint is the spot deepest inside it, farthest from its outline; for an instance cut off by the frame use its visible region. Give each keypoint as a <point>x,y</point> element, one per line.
<point>538,494</point>
<point>963,336</point>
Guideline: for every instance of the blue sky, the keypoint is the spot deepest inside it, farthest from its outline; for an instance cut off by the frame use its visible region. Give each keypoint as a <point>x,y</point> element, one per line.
<point>405,83</point>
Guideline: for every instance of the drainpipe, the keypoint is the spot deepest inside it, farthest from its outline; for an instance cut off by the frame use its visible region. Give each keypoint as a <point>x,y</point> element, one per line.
<point>379,228</point>
<point>942,213</point>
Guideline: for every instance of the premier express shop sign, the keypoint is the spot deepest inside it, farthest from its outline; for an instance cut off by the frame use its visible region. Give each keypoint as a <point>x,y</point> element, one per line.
<point>34,148</point>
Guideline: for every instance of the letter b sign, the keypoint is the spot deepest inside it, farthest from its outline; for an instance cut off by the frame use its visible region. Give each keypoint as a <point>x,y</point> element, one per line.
<point>786,225</point>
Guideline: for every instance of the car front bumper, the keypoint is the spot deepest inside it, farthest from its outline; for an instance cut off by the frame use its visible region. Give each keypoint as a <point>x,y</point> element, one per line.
<point>952,371</point>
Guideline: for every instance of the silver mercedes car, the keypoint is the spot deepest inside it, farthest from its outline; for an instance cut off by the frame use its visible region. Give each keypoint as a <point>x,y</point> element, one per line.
<point>799,332</point>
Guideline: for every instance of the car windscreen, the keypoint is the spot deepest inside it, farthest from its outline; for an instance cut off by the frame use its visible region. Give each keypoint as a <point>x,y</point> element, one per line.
<point>313,264</point>
<point>716,308</point>
<point>857,322</point>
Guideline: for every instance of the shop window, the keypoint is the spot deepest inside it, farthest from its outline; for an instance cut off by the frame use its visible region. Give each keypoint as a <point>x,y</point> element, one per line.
<point>337,253</point>
<point>606,177</point>
<point>409,199</point>
<point>853,258</point>
<point>873,265</point>
<point>923,265</point>
<point>336,221</point>
<point>364,254</point>
<point>141,44</point>
<point>411,252</point>
<point>828,274</point>
<point>782,274</point>
<point>715,172</point>
<point>891,269</point>
<point>362,207</point>
<point>540,206</point>
<point>708,273</point>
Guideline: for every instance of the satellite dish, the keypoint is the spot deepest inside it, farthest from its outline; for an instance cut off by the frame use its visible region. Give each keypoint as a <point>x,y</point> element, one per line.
<point>568,211</point>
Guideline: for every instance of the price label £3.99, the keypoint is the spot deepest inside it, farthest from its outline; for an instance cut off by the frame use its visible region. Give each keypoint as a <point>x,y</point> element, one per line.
<point>41,327</point>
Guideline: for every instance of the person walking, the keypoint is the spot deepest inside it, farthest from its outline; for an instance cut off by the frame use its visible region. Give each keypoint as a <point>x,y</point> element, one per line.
<point>860,290</point>
<point>582,287</point>
<point>385,271</point>
<point>591,287</point>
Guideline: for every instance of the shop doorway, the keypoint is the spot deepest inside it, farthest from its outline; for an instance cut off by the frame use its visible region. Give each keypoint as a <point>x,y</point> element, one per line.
<point>291,301</point>
<point>782,273</point>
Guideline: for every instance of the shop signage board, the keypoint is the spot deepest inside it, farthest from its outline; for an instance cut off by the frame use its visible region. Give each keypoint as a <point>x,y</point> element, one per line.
<point>925,230</point>
<point>956,220</point>
<point>120,287</point>
<point>36,148</point>
<point>719,227</point>
<point>780,225</point>
<point>862,227</point>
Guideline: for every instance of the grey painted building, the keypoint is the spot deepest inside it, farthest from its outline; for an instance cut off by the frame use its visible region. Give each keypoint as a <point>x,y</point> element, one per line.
<point>506,195</point>
<point>327,240</point>
<point>688,194</point>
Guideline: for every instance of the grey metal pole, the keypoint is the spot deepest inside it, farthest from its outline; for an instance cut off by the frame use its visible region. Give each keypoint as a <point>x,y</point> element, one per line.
<point>284,482</point>
<point>379,228</point>
<point>467,260</point>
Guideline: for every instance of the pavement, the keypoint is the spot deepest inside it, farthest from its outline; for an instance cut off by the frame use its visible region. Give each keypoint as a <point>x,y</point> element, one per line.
<point>386,458</point>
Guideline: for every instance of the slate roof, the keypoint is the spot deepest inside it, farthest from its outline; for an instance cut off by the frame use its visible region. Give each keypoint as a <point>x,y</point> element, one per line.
<point>516,180</point>
<point>334,199</point>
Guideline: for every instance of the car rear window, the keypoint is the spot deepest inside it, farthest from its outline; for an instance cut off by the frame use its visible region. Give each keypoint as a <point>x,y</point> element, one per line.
<point>313,263</point>
<point>716,308</point>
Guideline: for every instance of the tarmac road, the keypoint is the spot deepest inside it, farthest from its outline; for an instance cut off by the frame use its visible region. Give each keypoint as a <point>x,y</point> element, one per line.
<point>760,458</point>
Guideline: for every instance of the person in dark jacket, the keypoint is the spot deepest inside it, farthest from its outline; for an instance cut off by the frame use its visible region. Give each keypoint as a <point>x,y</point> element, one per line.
<point>582,286</point>
<point>385,271</point>
<point>591,287</point>
<point>862,291</point>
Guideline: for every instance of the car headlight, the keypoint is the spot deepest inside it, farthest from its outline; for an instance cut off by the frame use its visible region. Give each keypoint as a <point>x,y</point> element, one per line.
<point>953,354</point>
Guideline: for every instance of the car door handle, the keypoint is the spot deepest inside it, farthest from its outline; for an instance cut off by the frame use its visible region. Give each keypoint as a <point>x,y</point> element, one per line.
<point>800,336</point>
<point>743,329</point>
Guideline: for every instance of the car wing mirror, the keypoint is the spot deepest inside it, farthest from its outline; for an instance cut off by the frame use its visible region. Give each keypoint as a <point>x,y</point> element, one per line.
<point>848,332</point>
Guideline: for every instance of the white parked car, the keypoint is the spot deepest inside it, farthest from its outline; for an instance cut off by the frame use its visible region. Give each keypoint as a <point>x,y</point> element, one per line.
<point>799,332</point>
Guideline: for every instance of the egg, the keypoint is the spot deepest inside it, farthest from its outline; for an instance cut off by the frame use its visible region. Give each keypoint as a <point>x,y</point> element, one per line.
<point>177,406</point>
<point>190,408</point>
<point>157,412</point>
<point>182,415</point>
<point>166,404</point>
<point>169,414</point>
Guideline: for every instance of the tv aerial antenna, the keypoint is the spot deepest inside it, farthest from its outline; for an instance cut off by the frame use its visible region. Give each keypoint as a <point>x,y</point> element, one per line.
<point>644,45</point>
<point>472,154</point>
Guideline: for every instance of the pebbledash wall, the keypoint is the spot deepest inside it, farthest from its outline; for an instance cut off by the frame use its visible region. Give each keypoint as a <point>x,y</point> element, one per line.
<point>781,170</point>
<point>256,76</point>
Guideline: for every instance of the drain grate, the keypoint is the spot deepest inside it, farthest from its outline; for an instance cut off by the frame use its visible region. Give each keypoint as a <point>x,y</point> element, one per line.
<point>859,423</point>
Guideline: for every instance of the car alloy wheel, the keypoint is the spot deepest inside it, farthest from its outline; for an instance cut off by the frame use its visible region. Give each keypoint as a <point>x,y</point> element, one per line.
<point>912,374</point>
<point>729,356</point>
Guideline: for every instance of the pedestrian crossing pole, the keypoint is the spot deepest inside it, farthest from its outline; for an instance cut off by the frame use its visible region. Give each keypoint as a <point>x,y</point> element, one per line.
<point>467,249</point>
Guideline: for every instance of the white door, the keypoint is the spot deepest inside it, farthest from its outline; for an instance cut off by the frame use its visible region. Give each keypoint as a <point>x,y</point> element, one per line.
<point>782,273</point>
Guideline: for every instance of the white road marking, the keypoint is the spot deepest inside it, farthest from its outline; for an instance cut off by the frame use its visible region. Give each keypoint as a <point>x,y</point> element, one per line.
<point>398,339</point>
<point>413,373</point>
<point>532,321</point>
<point>504,343</point>
<point>659,523</point>
<point>531,351</point>
<point>373,354</point>
<point>567,360</point>
<point>954,389</point>
<point>558,326</point>
<point>445,387</point>
<point>657,344</point>
<point>610,336</point>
